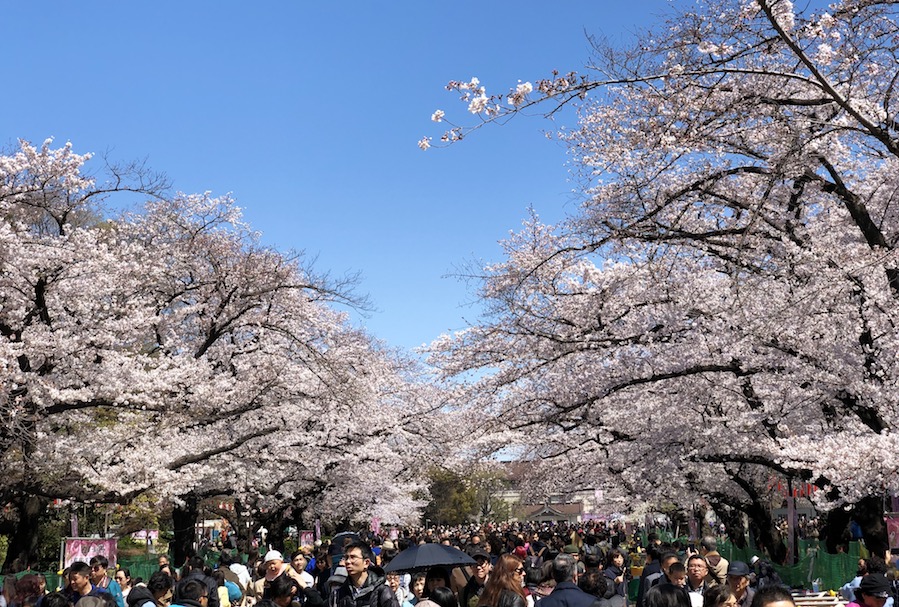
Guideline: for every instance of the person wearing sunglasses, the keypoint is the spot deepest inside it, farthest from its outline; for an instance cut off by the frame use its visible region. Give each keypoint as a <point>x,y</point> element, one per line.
<point>99,565</point>
<point>505,586</point>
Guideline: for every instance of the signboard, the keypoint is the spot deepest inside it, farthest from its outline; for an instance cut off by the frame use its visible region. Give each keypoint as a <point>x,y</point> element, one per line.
<point>307,538</point>
<point>85,548</point>
<point>892,521</point>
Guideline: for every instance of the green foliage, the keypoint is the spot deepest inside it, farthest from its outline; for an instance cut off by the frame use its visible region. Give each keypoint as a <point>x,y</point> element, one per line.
<point>456,498</point>
<point>50,532</point>
<point>486,483</point>
<point>452,502</point>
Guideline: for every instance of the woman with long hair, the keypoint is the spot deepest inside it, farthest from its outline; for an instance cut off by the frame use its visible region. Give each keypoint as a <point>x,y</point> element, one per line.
<point>8,594</point>
<point>505,586</point>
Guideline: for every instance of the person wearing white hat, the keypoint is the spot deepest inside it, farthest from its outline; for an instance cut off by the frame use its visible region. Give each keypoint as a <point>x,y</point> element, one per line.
<point>274,565</point>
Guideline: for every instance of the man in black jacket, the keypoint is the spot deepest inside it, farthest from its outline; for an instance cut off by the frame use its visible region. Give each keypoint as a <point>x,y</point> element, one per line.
<point>365,585</point>
<point>193,593</point>
<point>195,571</point>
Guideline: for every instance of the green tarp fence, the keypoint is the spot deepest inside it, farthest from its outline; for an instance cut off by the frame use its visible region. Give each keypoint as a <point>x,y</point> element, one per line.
<point>814,563</point>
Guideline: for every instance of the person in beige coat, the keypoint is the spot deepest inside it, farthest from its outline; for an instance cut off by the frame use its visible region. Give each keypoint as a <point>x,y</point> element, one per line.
<point>274,566</point>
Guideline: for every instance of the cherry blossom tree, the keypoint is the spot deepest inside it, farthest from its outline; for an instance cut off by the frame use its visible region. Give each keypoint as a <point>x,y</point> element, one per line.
<point>167,353</point>
<point>720,312</point>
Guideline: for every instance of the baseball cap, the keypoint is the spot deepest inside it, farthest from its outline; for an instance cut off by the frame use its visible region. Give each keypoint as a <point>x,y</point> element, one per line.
<point>875,584</point>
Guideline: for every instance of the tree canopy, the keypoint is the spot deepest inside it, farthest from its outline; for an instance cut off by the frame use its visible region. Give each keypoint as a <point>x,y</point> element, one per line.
<point>720,310</point>
<point>164,352</point>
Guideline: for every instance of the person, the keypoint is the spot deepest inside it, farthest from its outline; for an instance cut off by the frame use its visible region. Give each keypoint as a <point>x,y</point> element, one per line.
<point>765,574</point>
<point>80,584</point>
<point>123,577</point>
<point>298,562</point>
<point>221,588</point>
<point>157,592</point>
<point>719,595</point>
<point>417,588</point>
<point>666,561</point>
<point>708,549</point>
<point>240,571</point>
<point>618,577</point>
<point>697,579</point>
<point>738,574</point>
<point>480,573</point>
<point>873,564</point>
<point>322,573</point>
<point>283,592</point>
<point>273,567</point>
<point>651,570</point>
<point>194,570</point>
<point>393,580</point>
<point>594,583</point>
<point>667,595</point>
<point>99,565</point>
<point>872,591</point>
<point>775,595</point>
<point>505,587</point>
<point>8,595</point>
<point>533,583</point>
<point>331,584</point>
<point>848,589</point>
<point>575,553</point>
<point>435,578</point>
<point>440,596</point>
<point>365,586</point>
<point>192,592</point>
<point>169,571</point>
<point>676,574</point>
<point>28,591</point>
<point>55,599</point>
<point>566,593</point>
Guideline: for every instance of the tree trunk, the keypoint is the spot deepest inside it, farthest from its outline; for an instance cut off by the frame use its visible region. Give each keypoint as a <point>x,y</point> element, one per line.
<point>276,526</point>
<point>765,533</point>
<point>868,513</point>
<point>184,522</point>
<point>836,530</point>
<point>733,522</point>
<point>241,527</point>
<point>23,541</point>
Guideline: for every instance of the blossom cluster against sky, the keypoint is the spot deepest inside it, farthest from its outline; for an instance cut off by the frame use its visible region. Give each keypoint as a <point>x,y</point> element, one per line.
<point>310,114</point>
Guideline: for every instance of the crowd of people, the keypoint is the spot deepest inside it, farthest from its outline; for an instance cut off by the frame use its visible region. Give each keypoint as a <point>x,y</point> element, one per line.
<point>557,566</point>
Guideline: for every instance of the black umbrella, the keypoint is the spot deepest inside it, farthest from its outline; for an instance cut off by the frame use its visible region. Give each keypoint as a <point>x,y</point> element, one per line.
<point>424,556</point>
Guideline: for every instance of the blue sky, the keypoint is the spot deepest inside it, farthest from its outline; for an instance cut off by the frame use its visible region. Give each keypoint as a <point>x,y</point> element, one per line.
<point>309,113</point>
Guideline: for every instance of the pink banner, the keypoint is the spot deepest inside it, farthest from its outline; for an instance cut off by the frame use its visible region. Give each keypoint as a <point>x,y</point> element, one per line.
<point>84,548</point>
<point>892,521</point>
<point>307,538</point>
